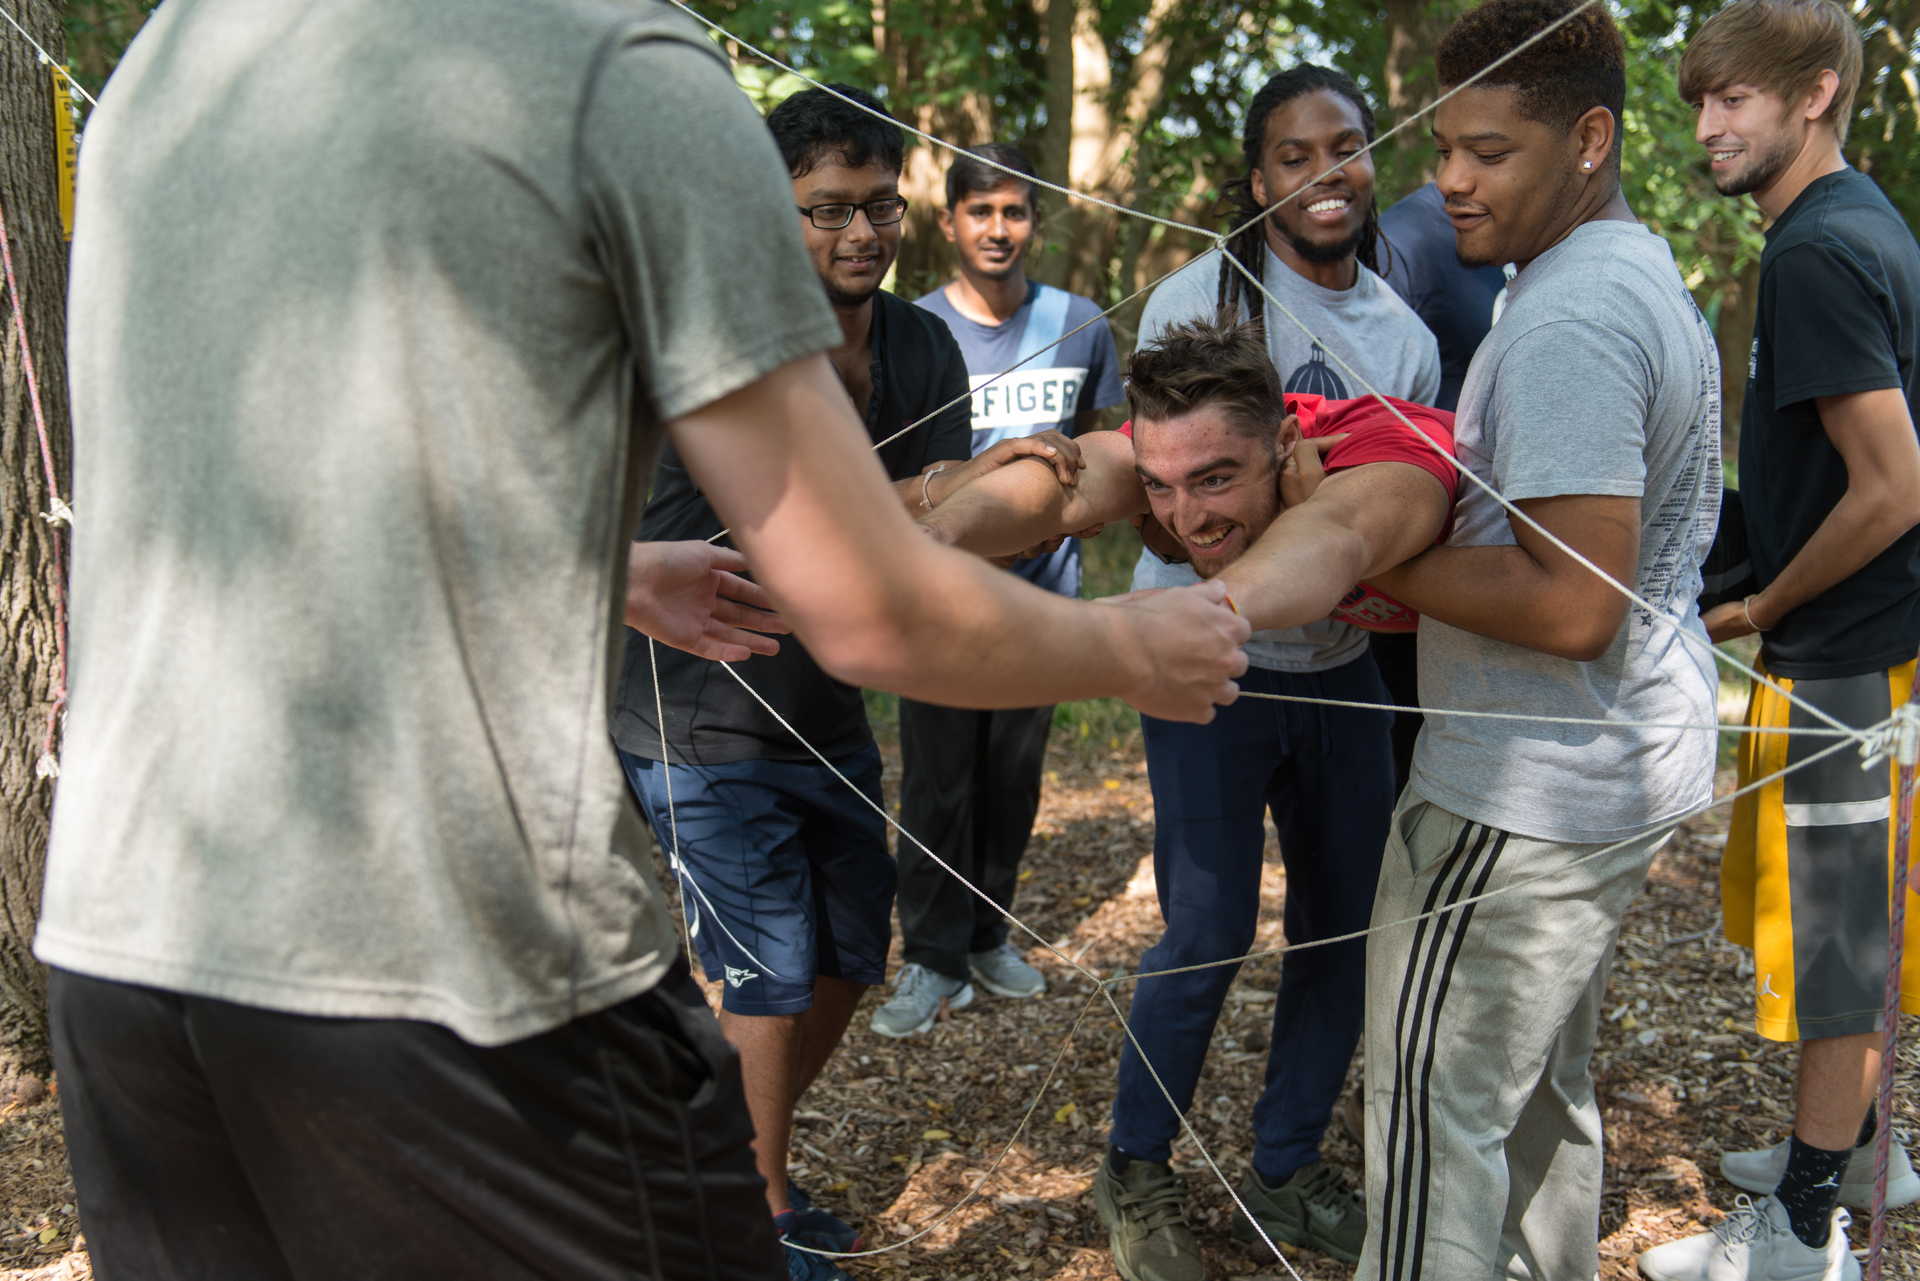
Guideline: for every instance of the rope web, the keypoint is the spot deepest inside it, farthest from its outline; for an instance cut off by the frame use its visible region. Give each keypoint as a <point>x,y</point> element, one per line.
<point>1873,742</point>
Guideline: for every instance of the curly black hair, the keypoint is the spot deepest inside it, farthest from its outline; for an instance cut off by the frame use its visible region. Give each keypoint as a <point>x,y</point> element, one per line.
<point>814,124</point>
<point>1581,65</point>
<point>1250,245</point>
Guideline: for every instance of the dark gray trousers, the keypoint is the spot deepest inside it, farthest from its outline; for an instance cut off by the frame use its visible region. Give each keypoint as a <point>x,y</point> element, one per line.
<point>969,788</point>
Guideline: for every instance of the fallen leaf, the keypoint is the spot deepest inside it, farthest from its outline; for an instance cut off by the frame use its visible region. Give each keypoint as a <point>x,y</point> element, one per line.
<point>934,1136</point>
<point>1066,1110</point>
<point>1111,784</point>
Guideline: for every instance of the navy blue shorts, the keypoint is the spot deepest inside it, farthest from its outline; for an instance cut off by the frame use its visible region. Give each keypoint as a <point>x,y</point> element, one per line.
<point>784,872</point>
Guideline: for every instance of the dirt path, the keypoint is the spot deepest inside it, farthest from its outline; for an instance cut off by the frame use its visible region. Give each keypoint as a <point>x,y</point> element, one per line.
<point>897,1131</point>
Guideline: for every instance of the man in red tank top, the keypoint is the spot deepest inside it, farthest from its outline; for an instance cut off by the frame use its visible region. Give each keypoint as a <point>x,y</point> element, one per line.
<point>1293,501</point>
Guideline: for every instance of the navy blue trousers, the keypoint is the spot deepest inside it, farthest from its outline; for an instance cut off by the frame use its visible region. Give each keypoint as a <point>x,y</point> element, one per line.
<point>1327,776</point>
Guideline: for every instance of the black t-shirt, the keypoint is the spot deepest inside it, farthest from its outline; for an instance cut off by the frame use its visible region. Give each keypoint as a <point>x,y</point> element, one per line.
<point>917,367</point>
<point>1455,302</point>
<point>1839,289</point>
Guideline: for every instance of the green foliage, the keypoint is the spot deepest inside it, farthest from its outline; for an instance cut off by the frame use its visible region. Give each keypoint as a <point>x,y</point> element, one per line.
<point>1664,171</point>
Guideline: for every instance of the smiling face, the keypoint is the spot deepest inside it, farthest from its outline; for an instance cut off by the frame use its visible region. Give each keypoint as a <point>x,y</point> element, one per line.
<point>1751,136</point>
<point>1314,133</point>
<point>1213,488</point>
<point>854,260</point>
<point>992,229</point>
<point>1512,184</point>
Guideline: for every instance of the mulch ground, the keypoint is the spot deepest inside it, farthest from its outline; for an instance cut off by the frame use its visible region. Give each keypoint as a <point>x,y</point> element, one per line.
<point>896,1133</point>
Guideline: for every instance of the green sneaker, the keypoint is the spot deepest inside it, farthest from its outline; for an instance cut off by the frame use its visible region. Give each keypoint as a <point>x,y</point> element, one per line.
<point>1314,1208</point>
<point>1145,1211</point>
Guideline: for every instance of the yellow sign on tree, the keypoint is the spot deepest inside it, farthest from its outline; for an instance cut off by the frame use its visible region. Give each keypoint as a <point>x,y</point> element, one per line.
<point>63,141</point>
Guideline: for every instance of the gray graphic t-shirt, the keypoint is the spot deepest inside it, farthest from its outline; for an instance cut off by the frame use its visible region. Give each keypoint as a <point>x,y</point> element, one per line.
<point>1080,373</point>
<point>1370,328</point>
<point>1601,377</point>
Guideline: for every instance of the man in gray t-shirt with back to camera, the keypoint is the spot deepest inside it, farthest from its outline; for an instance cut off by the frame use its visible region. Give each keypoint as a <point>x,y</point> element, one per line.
<point>1594,406</point>
<point>357,964</point>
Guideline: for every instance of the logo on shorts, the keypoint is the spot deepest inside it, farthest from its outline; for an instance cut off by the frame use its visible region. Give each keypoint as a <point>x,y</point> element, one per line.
<point>735,976</point>
<point>1766,988</point>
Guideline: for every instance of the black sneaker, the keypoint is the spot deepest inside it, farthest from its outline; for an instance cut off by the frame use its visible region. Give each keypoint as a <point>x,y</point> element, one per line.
<point>1145,1211</point>
<point>1314,1208</point>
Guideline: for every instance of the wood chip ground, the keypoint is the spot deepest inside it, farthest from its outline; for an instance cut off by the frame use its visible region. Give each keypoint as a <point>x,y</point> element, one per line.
<point>896,1133</point>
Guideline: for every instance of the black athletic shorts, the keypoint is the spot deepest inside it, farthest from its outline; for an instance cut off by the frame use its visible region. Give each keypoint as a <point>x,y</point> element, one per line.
<point>219,1142</point>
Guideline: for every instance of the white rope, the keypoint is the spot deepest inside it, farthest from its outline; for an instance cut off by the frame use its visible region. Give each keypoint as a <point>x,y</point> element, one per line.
<point>1219,239</point>
<point>1677,624</point>
<point>46,57</point>
<point>1801,731</point>
<point>1713,804</point>
<point>764,56</point>
<point>1013,920</point>
<point>1105,988</point>
<point>689,924</point>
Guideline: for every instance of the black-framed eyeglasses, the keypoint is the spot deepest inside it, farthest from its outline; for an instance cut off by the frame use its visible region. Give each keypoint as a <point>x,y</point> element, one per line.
<point>834,217</point>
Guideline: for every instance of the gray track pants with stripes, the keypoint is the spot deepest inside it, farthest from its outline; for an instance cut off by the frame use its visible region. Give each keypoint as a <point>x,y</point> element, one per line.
<point>1483,1135</point>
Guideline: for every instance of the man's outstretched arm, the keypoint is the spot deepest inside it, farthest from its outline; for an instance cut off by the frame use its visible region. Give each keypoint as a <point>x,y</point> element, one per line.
<point>1013,508</point>
<point>878,603</point>
<point>1359,522</point>
<point>1533,594</point>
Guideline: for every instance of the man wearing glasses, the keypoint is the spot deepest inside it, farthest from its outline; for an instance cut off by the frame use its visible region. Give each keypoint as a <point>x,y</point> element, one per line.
<point>783,870</point>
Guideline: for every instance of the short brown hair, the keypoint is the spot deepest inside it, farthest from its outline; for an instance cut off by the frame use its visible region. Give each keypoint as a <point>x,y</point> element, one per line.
<point>1220,362</point>
<point>1581,64</point>
<point>1781,46</point>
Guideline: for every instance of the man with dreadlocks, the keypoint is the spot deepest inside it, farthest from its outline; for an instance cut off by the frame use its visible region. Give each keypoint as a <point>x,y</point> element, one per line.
<point>1315,256</point>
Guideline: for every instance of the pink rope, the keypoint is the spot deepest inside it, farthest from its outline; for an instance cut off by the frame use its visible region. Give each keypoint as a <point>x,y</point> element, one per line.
<point>1896,947</point>
<point>58,586</point>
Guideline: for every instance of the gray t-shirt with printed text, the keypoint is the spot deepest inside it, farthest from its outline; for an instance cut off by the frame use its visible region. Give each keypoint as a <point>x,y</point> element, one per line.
<point>1601,377</point>
<point>378,308</point>
<point>1370,328</point>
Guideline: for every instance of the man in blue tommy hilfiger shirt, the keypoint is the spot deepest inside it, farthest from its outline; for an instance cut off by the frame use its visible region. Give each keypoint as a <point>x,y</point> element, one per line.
<point>970,781</point>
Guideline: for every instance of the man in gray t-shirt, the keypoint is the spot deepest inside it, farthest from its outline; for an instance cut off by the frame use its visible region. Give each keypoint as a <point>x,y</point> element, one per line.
<point>379,312</point>
<point>1594,406</point>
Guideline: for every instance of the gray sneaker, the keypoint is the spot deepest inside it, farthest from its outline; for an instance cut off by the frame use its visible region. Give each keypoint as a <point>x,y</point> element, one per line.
<point>916,999</point>
<point>1004,972</point>
<point>1314,1208</point>
<point>1760,1173</point>
<point>1145,1211</point>
<point>1754,1243</point>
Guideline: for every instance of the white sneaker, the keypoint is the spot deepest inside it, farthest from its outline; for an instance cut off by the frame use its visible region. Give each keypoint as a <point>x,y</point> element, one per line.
<point>916,1000</point>
<point>1754,1243</point>
<point>1760,1172</point>
<point>1004,972</point>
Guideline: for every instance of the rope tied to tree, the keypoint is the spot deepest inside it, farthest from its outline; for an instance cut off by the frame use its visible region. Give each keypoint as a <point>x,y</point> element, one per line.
<point>48,766</point>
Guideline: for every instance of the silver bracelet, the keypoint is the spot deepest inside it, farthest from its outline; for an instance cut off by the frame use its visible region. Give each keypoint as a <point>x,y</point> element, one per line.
<point>926,490</point>
<point>1749,613</point>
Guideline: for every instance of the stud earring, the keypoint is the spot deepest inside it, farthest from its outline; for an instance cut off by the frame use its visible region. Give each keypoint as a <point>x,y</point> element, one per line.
<point>1586,164</point>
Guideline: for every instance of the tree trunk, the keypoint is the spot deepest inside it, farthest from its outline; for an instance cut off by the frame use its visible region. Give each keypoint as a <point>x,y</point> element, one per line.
<point>1412,30</point>
<point>32,565</point>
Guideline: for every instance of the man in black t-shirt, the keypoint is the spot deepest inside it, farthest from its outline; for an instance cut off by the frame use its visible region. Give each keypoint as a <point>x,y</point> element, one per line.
<point>782,869</point>
<point>1830,485</point>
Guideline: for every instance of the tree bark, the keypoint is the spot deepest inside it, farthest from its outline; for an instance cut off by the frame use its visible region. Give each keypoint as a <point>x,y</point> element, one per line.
<point>32,565</point>
<point>1412,30</point>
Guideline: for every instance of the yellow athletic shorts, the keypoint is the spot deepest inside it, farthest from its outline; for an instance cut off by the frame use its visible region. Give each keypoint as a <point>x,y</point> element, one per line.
<point>1809,862</point>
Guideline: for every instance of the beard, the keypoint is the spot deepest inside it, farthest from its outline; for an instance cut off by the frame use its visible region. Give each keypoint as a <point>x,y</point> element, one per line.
<point>849,298</point>
<point>1761,169</point>
<point>1315,251</point>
